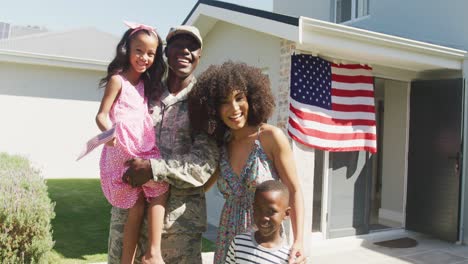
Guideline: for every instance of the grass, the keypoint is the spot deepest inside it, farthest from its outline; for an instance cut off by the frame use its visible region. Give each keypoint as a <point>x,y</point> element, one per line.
<point>81,224</point>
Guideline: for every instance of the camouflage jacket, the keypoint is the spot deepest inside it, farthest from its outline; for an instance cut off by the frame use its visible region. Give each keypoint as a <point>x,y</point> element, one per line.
<point>187,163</point>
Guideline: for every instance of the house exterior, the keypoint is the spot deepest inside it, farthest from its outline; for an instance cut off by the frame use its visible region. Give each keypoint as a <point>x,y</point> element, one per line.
<point>440,23</point>
<point>8,30</point>
<point>49,97</point>
<point>416,181</point>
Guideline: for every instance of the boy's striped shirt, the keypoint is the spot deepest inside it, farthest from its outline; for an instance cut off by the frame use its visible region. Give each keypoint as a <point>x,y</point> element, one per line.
<point>244,249</point>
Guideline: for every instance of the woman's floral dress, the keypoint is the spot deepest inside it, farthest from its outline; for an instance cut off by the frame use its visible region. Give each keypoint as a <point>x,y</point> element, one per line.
<point>238,192</point>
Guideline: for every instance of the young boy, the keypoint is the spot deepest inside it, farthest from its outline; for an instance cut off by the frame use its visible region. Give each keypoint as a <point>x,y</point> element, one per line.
<point>266,245</point>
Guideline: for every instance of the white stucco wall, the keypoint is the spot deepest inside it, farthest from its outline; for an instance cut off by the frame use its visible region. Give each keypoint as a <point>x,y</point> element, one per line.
<point>229,42</point>
<point>394,148</point>
<point>47,115</point>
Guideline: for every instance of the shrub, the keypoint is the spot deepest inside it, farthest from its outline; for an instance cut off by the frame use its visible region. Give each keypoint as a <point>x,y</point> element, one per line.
<point>25,213</point>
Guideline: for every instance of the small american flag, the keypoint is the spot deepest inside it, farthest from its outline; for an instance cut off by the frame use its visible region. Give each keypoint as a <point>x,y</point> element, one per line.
<point>332,106</point>
<point>94,142</point>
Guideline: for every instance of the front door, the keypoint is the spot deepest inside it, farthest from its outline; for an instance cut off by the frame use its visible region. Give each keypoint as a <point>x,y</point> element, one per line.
<point>435,135</point>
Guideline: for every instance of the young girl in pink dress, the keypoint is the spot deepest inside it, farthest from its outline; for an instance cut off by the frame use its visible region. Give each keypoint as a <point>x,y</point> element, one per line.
<point>132,76</point>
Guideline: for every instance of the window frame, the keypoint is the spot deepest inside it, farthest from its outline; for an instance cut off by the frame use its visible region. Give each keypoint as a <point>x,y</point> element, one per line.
<point>354,16</point>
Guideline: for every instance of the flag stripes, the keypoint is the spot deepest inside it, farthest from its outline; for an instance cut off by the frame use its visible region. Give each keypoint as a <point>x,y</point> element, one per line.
<point>331,105</point>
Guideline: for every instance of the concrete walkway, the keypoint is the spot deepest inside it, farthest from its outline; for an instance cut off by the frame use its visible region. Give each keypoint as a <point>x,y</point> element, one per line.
<point>362,250</point>
<point>358,250</point>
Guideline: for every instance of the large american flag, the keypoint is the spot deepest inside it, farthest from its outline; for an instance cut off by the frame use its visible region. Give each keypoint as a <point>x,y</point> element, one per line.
<point>332,106</point>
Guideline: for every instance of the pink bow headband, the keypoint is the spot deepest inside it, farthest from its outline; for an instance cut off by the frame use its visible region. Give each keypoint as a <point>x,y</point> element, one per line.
<point>137,27</point>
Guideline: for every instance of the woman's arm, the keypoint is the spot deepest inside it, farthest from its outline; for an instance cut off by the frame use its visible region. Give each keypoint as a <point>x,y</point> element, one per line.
<point>111,93</point>
<point>278,147</point>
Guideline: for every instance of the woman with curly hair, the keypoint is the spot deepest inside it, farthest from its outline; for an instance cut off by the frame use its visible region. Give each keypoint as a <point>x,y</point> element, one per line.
<point>232,102</point>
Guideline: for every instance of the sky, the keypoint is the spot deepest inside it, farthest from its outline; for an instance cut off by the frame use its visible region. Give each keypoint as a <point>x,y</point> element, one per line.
<point>105,15</point>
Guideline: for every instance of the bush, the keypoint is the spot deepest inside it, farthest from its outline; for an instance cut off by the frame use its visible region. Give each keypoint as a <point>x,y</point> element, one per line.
<point>25,213</point>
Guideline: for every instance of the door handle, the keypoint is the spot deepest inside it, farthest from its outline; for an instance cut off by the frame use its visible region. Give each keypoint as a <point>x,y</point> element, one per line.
<point>457,161</point>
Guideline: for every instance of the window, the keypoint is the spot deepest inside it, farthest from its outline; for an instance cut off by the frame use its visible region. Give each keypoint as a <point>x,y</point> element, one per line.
<point>4,30</point>
<point>346,10</point>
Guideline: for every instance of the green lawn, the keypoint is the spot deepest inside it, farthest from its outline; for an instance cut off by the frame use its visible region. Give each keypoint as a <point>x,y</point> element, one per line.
<point>81,223</point>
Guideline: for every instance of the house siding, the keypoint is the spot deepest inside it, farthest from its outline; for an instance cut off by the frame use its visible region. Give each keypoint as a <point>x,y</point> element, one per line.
<point>48,115</point>
<point>318,9</point>
<point>432,21</point>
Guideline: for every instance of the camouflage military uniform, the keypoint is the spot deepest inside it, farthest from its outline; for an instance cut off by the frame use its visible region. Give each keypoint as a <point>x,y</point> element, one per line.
<point>187,163</point>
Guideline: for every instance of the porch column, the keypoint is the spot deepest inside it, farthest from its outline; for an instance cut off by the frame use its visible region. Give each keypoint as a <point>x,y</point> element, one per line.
<point>303,156</point>
<point>305,163</point>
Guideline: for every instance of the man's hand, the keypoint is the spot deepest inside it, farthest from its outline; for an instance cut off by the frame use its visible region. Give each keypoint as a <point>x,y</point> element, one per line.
<point>138,172</point>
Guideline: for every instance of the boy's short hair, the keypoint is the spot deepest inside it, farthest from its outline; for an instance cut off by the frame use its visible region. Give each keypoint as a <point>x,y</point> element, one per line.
<point>273,185</point>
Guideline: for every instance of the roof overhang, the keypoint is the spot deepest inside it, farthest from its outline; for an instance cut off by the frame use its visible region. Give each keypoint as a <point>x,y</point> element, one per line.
<point>53,61</point>
<point>206,13</point>
<point>368,47</point>
<point>330,40</point>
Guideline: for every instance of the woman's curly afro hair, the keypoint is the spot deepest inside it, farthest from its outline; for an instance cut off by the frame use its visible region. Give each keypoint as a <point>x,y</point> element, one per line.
<point>219,82</point>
